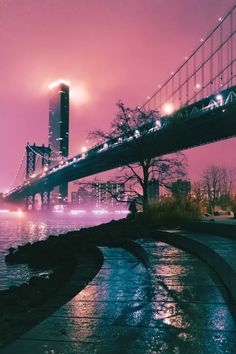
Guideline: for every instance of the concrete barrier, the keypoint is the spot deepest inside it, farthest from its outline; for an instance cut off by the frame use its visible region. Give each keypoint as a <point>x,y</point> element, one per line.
<point>213,228</point>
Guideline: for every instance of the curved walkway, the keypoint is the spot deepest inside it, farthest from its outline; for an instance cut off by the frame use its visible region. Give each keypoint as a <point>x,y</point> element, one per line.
<point>173,307</point>
<point>217,251</point>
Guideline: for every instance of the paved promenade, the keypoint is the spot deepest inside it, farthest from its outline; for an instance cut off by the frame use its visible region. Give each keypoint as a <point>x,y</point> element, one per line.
<point>174,306</point>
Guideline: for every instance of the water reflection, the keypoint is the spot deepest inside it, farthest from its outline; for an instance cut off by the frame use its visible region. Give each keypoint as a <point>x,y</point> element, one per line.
<point>21,228</point>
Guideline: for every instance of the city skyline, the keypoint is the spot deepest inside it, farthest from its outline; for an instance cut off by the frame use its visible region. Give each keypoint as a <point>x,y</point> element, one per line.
<point>98,89</point>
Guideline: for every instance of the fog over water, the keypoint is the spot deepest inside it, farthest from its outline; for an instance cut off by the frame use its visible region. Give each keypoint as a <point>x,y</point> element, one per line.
<point>20,228</point>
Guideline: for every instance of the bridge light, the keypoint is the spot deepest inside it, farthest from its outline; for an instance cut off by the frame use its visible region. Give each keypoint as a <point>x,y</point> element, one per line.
<point>168,108</point>
<point>158,123</point>
<point>137,133</point>
<point>219,99</point>
<point>84,149</point>
<point>198,86</point>
<point>105,146</point>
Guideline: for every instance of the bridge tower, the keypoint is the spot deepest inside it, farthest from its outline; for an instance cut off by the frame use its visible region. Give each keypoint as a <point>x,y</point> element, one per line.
<point>33,154</point>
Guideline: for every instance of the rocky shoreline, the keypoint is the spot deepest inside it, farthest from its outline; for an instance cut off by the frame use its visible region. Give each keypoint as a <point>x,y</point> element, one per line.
<point>23,306</point>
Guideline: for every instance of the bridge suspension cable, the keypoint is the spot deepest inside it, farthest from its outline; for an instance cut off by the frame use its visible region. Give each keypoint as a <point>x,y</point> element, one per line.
<point>20,174</point>
<point>209,69</point>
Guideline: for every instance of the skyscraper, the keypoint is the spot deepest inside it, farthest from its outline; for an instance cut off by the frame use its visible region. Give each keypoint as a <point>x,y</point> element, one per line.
<point>153,190</point>
<point>58,136</point>
<point>181,189</point>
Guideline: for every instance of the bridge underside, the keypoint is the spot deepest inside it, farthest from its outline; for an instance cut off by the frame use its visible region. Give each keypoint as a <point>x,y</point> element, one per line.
<point>209,127</point>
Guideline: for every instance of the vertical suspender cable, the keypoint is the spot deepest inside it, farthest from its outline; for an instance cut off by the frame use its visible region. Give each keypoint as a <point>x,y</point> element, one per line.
<point>187,83</point>
<point>228,61</point>
<point>211,65</point>
<point>231,48</point>
<point>180,89</point>
<point>194,77</point>
<point>202,67</point>
<point>220,61</point>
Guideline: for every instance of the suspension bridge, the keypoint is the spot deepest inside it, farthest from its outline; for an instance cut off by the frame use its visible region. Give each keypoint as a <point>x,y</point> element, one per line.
<point>197,106</point>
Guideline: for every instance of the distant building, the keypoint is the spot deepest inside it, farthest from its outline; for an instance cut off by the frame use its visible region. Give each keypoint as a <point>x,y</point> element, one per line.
<point>99,195</point>
<point>107,193</point>
<point>74,198</point>
<point>181,189</point>
<point>153,190</point>
<point>85,197</point>
<point>58,136</point>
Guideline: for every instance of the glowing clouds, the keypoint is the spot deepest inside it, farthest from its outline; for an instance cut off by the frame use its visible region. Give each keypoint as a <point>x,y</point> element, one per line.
<point>78,92</point>
<point>58,83</point>
<point>79,95</point>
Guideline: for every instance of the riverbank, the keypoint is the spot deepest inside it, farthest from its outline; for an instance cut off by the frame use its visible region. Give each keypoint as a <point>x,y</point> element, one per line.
<point>66,272</point>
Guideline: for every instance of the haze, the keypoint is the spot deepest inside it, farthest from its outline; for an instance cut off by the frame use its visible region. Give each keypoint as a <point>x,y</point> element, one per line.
<point>109,50</point>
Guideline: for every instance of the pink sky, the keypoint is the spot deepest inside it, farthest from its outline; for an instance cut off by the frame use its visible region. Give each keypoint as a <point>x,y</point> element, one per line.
<point>109,50</point>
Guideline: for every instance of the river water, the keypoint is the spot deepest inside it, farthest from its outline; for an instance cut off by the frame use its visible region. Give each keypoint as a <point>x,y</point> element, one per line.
<point>18,228</point>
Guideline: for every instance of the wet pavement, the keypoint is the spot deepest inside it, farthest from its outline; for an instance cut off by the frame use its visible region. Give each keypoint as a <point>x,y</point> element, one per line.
<point>174,306</point>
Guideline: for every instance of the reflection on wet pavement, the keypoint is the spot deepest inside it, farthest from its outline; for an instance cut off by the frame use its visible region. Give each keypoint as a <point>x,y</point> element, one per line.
<point>172,307</point>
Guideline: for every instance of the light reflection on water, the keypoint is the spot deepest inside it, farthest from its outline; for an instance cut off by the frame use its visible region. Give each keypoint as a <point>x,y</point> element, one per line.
<point>18,229</point>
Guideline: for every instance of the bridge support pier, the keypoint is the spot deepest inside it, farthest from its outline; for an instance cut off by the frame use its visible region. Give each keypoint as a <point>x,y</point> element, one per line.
<point>29,202</point>
<point>45,200</point>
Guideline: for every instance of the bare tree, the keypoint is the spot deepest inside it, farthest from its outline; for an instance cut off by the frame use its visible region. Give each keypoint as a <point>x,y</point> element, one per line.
<point>217,182</point>
<point>198,192</point>
<point>132,127</point>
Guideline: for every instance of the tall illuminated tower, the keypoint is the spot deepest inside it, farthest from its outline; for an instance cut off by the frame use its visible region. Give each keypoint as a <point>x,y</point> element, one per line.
<point>58,136</point>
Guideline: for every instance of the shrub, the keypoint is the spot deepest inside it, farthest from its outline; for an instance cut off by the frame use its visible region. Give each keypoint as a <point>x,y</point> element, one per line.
<point>171,212</point>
